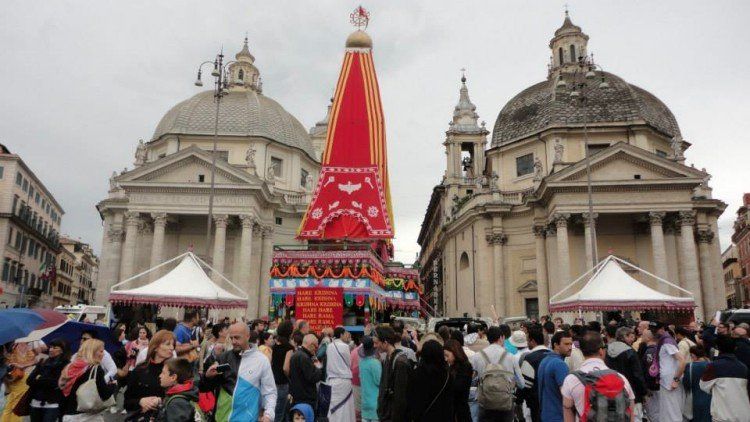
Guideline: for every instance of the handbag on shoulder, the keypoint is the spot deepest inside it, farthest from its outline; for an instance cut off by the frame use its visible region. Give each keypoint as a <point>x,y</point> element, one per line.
<point>88,398</point>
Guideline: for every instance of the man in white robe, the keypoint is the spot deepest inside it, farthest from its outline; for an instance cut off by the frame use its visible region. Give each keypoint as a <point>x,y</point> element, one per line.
<point>339,377</point>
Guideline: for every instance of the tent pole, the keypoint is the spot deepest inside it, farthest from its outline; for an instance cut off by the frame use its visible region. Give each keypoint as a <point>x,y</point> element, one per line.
<point>200,261</point>
<point>654,276</point>
<point>597,268</point>
<point>111,289</point>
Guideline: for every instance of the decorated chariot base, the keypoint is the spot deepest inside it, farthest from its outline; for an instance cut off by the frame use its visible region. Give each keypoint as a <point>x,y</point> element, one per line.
<point>340,287</point>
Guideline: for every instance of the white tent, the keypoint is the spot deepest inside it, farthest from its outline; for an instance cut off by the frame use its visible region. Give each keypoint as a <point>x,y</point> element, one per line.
<point>609,287</point>
<point>187,285</point>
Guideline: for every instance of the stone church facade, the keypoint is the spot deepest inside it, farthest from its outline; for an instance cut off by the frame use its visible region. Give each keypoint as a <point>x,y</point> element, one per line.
<point>266,167</point>
<point>508,224</point>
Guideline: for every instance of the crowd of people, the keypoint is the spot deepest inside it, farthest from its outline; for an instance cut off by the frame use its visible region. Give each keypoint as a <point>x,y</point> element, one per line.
<point>543,370</point>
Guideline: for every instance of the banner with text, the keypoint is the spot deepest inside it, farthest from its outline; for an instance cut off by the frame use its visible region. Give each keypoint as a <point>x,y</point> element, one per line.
<point>320,306</point>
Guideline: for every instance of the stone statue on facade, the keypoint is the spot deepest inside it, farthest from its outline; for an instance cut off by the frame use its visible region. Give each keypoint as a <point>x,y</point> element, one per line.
<point>676,145</point>
<point>113,182</point>
<point>271,173</point>
<point>480,181</point>
<point>559,150</point>
<point>140,154</point>
<point>250,159</point>
<point>309,182</point>
<point>495,181</point>
<point>538,169</point>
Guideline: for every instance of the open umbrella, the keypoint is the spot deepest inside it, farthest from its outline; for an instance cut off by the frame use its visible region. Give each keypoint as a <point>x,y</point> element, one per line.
<point>15,323</point>
<point>71,331</point>
<point>51,318</point>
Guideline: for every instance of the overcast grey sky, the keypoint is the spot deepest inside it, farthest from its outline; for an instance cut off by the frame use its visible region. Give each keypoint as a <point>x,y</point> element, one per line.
<point>84,80</point>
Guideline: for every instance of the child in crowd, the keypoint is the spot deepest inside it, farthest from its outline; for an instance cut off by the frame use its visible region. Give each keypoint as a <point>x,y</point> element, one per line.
<point>301,413</point>
<point>181,395</point>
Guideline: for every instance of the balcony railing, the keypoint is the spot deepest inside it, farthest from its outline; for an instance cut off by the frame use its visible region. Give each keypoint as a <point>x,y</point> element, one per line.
<point>25,219</point>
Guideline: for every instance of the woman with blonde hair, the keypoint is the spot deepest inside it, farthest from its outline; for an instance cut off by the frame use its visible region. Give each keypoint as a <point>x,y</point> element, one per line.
<point>144,393</point>
<point>86,365</point>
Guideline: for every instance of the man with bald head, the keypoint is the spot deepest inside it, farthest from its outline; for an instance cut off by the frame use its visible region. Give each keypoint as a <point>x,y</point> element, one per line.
<point>248,389</point>
<point>305,372</point>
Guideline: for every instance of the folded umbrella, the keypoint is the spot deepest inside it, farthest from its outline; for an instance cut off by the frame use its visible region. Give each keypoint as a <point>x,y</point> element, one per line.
<point>15,323</point>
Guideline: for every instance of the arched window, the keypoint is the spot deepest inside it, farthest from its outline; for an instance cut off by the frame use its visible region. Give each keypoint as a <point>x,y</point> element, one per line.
<point>463,263</point>
<point>241,74</point>
<point>560,54</point>
<point>573,56</point>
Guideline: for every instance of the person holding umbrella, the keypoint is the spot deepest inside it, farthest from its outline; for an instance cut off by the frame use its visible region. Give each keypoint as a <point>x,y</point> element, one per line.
<point>45,393</point>
<point>20,363</point>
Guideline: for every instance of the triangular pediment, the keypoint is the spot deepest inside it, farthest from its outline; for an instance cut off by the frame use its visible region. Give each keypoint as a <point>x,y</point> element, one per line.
<point>186,166</point>
<point>529,286</point>
<point>622,161</point>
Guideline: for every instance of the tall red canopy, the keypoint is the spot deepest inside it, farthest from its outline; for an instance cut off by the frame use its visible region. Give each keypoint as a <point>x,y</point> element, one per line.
<point>352,198</point>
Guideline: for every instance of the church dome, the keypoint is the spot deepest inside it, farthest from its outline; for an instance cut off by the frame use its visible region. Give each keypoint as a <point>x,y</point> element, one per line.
<point>539,107</point>
<point>543,106</point>
<point>242,113</point>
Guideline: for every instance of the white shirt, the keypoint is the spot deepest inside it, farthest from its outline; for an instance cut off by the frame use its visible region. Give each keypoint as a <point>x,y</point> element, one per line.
<point>338,360</point>
<point>667,365</point>
<point>493,352</point>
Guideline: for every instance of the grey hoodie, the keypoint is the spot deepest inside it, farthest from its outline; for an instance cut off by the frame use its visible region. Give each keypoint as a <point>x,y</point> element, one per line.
<point>614,349</point>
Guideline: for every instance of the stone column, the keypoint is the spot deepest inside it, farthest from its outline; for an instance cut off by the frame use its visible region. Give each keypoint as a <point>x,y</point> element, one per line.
<point>657,247</point>
<point>542,281</point>
<point>587,239</point>
<point>689,268</point>
<point>704,237</point>
<point>265,266</point>
<point>132,222</point>
<point>220,240</point>
<point>716,264</point>
<point>550,232</point>
<point>497,240</point>
<point>157,243</point>
<point>246,250</point>
<point>563,256</point>
<point>109,274</point>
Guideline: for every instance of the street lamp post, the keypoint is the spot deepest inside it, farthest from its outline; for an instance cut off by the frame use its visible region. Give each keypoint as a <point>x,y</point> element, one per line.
<point>221,84</point>
<point>579,93</point>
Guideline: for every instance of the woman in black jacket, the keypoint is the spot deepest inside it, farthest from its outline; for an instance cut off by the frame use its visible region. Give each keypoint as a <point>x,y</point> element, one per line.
<point>86,365</point>
<point>430,387</point>
<point>144,393</point>
<point>43,388</point>
<point>461,371</point>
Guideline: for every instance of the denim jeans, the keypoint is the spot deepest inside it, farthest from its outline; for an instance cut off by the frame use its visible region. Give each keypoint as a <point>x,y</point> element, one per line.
<point>38,414</point>
<point>282,402</point>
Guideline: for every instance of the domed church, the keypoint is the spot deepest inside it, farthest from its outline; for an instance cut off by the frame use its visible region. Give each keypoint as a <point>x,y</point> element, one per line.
<point>510,223</point>
<point>266,164</point>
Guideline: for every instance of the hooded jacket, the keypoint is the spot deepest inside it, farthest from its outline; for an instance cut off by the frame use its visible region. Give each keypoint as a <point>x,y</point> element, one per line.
<point>623,359</point>
<point>475,343</point>
<point>306,410</point>
<point>725,379</point>
<point>179,407</point>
